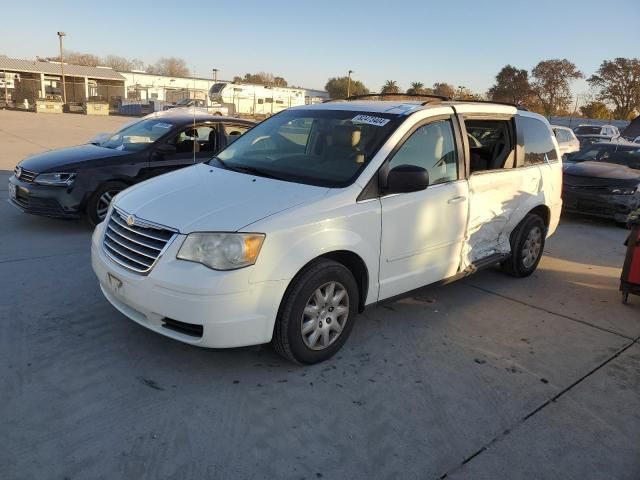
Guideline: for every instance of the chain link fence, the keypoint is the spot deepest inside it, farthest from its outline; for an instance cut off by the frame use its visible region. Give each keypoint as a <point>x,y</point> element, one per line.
<point>24,92</point>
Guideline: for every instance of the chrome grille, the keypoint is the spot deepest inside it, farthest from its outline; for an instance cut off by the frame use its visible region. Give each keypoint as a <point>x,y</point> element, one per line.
<point>25,175</point>
<point>135,243</point>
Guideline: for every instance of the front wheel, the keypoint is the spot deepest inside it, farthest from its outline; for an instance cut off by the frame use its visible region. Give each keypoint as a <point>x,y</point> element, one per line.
<point>527,245</point>
<point>317,313</point>
<point>98,204</point>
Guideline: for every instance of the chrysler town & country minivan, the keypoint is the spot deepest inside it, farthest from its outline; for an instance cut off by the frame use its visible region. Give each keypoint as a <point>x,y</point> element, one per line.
<point>321,210</point>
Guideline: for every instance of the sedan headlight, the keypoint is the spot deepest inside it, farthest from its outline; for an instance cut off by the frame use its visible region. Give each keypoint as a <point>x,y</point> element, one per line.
<point>622,190</point>
<point>222,251</point>
<point>55,179</point>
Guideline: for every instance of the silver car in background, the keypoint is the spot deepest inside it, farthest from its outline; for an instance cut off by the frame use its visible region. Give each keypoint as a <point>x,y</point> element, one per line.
<point>567,140</point>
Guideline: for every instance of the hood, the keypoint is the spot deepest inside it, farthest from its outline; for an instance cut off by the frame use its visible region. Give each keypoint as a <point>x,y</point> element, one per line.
<point>205,198</point>
<point>69,158</point>
<point>603,170</point>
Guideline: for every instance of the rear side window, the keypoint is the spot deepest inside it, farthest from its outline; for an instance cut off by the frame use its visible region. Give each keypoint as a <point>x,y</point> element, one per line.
<point>537,142</point>
<point>561,135</point>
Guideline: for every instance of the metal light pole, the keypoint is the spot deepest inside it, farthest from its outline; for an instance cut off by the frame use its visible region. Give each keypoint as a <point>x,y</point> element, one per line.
<point>349,84</point>
<point>64,87</point>
<point>575,108</point>
<point>6,98</point>
<point>215,75</point>
<point>461,88</point>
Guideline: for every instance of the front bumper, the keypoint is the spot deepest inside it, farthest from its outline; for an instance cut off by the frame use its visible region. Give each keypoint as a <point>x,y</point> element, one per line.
<point>601,205</point>
<point>47,201</point>
<point>188,302</point>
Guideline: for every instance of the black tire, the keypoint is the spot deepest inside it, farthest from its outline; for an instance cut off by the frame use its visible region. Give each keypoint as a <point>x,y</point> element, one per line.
<point>288,338</point>
<point>93,204</point>
<point>517,265</point>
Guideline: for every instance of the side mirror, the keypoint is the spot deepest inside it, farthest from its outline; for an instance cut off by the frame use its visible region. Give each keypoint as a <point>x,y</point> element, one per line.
<point>165,149</point>
<point>407,178</point>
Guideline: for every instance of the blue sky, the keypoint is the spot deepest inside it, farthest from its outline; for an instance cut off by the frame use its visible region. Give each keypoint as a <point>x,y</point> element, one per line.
<point>460,42</point>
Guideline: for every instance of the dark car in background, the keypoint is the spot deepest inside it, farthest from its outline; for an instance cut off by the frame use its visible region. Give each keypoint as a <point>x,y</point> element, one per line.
<point>603,180</point>
<point>75,181</point>
<point>607,151</point>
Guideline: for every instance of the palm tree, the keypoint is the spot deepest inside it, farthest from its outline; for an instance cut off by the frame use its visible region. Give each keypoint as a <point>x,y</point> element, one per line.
<point>417,88</point>
<point>390,86</point>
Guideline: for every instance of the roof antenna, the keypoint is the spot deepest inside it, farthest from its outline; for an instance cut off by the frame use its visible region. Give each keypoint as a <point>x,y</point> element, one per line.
<point>194,132</point>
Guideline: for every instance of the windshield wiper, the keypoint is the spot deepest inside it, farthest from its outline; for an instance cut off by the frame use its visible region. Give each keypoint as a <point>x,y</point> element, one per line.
<point>249,170</point>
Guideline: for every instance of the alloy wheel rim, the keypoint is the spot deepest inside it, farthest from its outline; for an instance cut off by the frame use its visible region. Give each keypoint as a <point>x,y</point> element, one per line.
<point>325,316</point>
<point>104,202</point>
<point>532,247</point>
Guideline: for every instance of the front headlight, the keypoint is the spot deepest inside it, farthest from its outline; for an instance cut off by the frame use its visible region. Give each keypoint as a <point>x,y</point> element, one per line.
<point>222,251</point>
<point>55,179</point>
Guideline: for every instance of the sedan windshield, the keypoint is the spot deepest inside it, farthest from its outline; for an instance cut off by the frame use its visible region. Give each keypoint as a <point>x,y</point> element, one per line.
<point>609,154</point>
<point>138,136</point>
<point>325,148</point>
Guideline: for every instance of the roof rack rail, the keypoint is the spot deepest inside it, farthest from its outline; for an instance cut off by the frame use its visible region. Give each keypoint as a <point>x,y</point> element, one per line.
<point>518,106</point>
<point>371,96</point>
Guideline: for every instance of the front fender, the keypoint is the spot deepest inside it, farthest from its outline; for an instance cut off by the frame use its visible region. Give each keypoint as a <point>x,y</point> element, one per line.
<point>354,228</point>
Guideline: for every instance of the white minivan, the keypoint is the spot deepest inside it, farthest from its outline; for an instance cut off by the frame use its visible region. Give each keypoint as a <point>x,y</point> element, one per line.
<point>322,210</point>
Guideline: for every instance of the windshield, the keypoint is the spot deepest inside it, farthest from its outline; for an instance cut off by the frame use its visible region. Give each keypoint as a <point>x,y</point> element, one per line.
<point>604,153</point>
<point>587,130</point>
<point>592,153</point>
<point>138,136</point>
<point>325,148</point>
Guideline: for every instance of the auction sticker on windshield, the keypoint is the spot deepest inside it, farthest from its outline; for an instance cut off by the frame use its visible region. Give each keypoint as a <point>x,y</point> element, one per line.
<point>370,120</point>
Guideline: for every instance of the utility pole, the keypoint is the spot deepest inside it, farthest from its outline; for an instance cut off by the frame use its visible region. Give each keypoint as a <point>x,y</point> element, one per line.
<point>349,84</point>
<point>64,87</point>
<point>6,98</point>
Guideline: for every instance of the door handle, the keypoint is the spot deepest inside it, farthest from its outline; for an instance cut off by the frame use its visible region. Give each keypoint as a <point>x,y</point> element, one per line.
<point>459,199</point>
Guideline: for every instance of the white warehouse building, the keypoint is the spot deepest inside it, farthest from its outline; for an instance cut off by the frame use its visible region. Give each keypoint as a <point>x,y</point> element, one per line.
<point>142,87</point>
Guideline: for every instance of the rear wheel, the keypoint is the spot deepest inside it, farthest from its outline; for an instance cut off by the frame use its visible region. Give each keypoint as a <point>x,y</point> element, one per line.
<point>98,204</point>
<point>317,313</point>
<point>527,245</point>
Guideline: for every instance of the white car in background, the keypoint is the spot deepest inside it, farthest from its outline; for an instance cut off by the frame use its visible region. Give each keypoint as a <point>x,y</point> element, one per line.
<point>567,141</point>
<point>610,131</point>
<point>322,210</point>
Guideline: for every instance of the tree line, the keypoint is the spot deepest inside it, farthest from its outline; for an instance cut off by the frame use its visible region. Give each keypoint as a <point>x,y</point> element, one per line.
<point>170,66</point>
<point>615,88</point>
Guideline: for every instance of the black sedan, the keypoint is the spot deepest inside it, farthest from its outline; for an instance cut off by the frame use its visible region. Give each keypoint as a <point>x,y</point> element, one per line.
<point>80,180</point>
<point>603,180</point>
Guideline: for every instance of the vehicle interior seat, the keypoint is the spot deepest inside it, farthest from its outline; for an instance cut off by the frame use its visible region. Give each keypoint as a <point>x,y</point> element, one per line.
<point>477,161</point>
<point>213,140</point>
<point>344,145</point>
<point>190,144</point>
<point>233,136</point>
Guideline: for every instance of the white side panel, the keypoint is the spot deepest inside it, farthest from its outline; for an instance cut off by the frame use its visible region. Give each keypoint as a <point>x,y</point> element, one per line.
<point>499,200</point>
<point>422,236</point>
<point>301,234</point>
